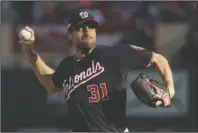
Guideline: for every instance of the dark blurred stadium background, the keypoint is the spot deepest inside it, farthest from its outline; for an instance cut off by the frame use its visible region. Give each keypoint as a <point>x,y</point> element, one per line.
<point>169,28</point>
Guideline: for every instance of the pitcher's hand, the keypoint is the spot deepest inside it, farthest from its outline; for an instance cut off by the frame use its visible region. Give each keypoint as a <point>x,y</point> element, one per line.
<point>27,38</point>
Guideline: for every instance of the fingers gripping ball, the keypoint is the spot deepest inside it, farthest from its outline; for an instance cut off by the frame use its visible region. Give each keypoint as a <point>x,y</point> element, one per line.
<point>25,35</point>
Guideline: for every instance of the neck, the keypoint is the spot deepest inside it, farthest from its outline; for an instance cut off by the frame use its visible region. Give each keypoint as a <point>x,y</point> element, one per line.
<point>80,54</point>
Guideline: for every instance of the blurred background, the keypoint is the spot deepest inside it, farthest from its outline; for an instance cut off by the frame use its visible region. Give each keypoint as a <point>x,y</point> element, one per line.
<point>169,28</point>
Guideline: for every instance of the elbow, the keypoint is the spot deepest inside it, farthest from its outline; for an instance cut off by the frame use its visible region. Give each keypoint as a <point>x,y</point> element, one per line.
<point>53,90</point>
<point>160,62</point>
<point>159,59</point>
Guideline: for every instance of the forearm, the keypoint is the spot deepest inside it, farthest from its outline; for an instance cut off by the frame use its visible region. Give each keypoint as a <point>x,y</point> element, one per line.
<point>164,69</point>
<point>42,71</point>
<point>38,65</point>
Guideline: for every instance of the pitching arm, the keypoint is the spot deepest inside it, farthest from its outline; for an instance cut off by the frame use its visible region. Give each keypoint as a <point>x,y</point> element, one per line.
<point>42,71</point>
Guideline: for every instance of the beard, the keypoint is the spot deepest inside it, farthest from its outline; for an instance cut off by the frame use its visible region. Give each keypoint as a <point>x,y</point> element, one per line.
<point>84,46</point>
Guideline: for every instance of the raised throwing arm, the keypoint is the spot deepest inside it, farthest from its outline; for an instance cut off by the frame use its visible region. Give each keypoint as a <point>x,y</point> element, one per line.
<point>42,71</point>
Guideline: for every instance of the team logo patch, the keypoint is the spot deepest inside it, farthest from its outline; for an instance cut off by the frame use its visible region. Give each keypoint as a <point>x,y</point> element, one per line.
<point>84,14</point>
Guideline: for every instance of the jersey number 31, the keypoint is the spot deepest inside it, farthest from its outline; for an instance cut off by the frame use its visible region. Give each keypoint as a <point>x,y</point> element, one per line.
<point>95,92</point>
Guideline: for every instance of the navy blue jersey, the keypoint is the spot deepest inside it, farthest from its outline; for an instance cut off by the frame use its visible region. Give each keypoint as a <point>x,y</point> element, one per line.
<point>92,85</point>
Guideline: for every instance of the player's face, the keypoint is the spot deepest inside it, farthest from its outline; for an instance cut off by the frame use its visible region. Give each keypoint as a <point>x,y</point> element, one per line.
<point>84,36</point>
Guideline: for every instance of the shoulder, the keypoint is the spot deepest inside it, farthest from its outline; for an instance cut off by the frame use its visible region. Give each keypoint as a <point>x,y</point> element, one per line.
<point>131,46</point>
<point>102,48</point>
<point>107,50</point>
<point>66,61</point>
<point>136,47</point>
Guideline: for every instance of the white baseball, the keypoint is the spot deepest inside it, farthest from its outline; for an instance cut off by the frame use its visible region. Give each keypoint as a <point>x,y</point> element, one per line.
<point>25,34</point>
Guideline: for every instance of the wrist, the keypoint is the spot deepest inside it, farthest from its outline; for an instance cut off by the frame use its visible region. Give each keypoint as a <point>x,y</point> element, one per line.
<point>31,54</point>
<point>29,51</point>
<point>171,92</point>
<point>170,87</point>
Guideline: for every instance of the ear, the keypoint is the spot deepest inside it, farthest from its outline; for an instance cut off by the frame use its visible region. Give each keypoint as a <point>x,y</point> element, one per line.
<point>69,35</point>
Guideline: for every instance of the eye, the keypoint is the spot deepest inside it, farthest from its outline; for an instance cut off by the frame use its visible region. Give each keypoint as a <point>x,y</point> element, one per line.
<point>92,26</point>
<point>78,28</point>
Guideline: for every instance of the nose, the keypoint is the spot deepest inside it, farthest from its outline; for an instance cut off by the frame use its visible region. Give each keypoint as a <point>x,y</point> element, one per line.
<point>86,28</point>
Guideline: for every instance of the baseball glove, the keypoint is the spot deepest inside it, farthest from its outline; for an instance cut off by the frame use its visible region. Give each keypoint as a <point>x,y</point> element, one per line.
<point>149,91</point>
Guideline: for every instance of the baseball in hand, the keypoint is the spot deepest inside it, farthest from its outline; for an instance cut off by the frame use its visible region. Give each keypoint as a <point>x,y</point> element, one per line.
<point>25,34</point>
